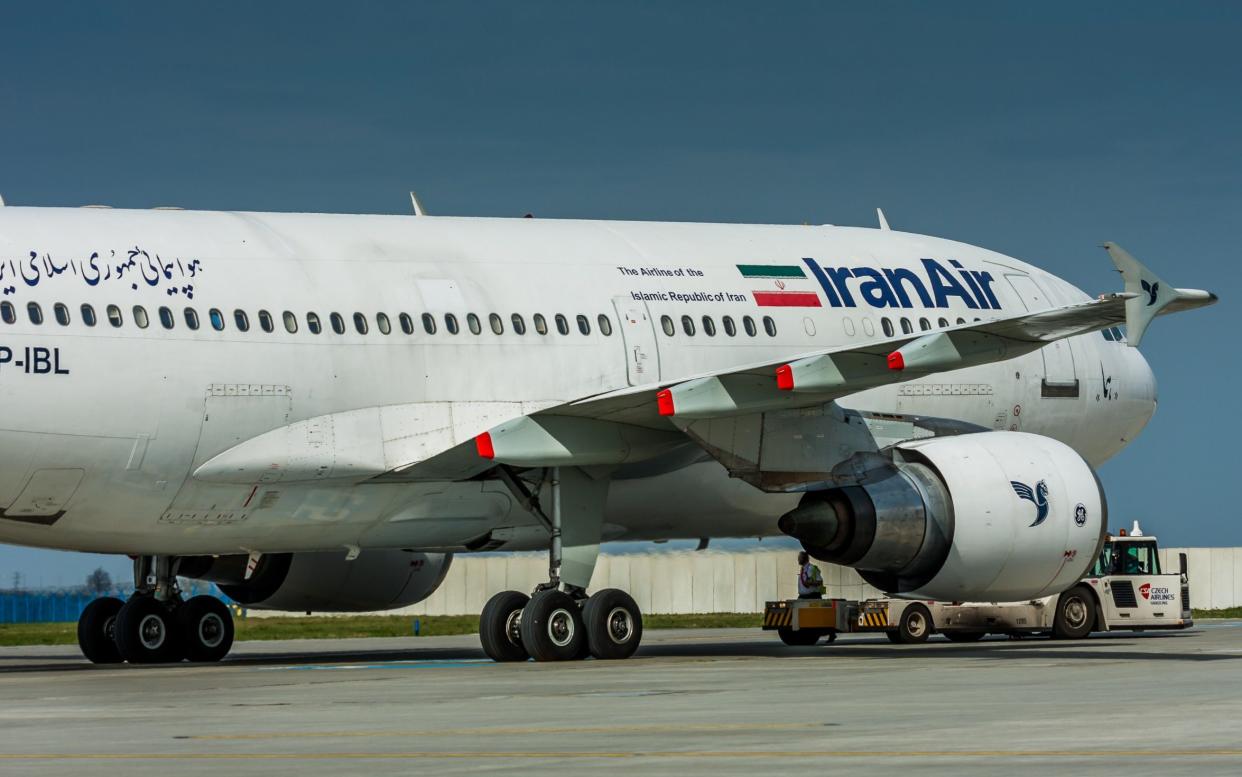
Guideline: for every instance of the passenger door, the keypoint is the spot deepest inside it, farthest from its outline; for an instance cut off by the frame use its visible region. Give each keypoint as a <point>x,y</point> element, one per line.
<point>1060,376</point>
<point>642,361</point>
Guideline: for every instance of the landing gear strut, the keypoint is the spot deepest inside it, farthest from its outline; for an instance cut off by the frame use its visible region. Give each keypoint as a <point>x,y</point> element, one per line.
<point>155,626</point>
<point>559,621</point>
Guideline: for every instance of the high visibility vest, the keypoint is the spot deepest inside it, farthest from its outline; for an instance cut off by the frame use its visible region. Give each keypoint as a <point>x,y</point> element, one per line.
<point>810,581</point>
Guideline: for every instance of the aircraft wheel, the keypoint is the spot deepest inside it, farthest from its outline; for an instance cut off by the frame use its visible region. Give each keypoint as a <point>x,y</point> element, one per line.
<point>1075,617</point>
<point>205,626</point>
<point>95,630</point>
<point>915,625</point>
<point>499,629</point>
<point>552,627</point>
<point>146,631</point>
<point>614,626</point>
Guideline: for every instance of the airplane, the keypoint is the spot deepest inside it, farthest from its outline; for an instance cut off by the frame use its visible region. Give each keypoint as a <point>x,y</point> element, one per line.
<point>316,412</point>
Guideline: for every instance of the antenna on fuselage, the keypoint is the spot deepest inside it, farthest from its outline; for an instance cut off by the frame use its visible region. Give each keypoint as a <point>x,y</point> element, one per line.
<point>418,206</point>
<point>883,221</point>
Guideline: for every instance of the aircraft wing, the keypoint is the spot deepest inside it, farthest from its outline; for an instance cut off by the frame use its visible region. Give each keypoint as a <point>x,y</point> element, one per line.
<point>453,441</point>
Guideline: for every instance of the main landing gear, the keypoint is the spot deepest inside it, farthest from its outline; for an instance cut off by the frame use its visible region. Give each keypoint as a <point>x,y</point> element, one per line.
<point>155,625</point>
<point>559,621</point>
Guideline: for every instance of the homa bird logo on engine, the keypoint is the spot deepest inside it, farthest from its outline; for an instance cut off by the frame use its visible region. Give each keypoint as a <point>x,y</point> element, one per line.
<point>1038,496</point>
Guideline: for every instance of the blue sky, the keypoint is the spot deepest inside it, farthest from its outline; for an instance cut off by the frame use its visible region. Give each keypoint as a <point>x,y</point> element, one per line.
<point>1039,131</point>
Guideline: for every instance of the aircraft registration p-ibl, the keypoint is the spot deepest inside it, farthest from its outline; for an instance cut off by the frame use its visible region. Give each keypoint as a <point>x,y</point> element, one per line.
<point>317,411</point>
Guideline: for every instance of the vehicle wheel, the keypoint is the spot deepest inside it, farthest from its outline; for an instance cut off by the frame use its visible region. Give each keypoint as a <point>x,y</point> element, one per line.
<point>1075,616</point>
<point>205,626</point>
<point>832,637</point>
<point>551,627</point>
<point>964,636</point>
<point>498,627</point>
<point>614,626</point>
<point>893,636</point>
<point>146,632</point>
<point>798,638</point>
<point>915,625</point>
<point>95,630</point>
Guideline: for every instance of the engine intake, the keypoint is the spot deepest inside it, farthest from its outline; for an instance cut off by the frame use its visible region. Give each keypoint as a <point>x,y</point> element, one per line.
<point>994,516</point>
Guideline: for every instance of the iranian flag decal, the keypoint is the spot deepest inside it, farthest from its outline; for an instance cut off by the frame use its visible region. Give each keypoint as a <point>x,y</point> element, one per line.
<point>782,275</point>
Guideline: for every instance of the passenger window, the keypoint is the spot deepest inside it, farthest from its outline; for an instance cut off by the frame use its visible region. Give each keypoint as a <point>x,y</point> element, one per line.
<point>429,323</point>
<point>497,323</point>
<point>313,324</point>
<point>265,321</point>
<point>562,324</point>
<point>291,321</point>
<point>605,325</point>
<point>472,321</point>
<point>241,320</point>
<point>709,326</point>
<point>687,325</point>
<point>924,324</point>
<point>666,324</point>
<point>868,327</point>
<point>887,324</point>
<point>166,318</point>
<point>943,323</point>
<point>729,327</point>
<point>88,315</point>
<point>338,323</point>
<point>748,324</point>
<point>382,323</point>
<point>584,324</point>
<point>7,313</point>
<point>848,324</point>
<point>960,321</point>
<point>35,312</point>
<point>519,325</point>
<point>191,318</point>
<point>906,326</point>
<point>407,323</point>
<point>769,326</point>
<point>216,318</point>
<point>114,316</point>
<point>140,317</point>
<point>62,313</point>
<point>360,323</point>
<point>541,324</point>
<point>450,323</point>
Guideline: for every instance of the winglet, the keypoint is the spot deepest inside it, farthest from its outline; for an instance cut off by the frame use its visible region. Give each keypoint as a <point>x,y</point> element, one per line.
<point>1148,294</point>
<point>883,221</point>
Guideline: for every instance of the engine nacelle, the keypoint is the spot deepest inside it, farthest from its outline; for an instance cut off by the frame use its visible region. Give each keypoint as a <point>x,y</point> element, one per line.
<point>992,516</point>
<point>324,582</point>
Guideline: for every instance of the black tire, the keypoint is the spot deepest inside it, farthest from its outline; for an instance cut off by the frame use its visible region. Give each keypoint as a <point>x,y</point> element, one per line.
<point>893,636</point>
<point>499,631</point>
<point>95,630</point>
<point>205,627</point>
<point>915,625</point>
<point>799,638</point>
<point>964,636</point>
<point>614,625</point>
<point>1075,618</point>
<point>146,632</point>
<point>552,628</point>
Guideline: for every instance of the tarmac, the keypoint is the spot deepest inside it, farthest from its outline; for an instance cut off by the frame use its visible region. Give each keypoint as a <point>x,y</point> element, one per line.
<point>727,701</point>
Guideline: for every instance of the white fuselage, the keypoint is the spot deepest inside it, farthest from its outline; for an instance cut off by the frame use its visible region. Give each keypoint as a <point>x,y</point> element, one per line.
<point>103,425</point>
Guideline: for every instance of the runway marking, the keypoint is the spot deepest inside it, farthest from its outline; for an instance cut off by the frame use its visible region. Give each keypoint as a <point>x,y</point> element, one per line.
<point>517,730</point>
<point>612,755</point>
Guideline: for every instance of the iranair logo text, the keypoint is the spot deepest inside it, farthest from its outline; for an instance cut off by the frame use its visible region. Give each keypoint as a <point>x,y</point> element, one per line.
<point>788,287</point>
<point>1037,496</point>
<point>884,287</point>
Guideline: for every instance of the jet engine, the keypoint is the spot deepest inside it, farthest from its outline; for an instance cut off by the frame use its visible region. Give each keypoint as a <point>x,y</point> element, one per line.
<point>324,582</point>
<point>990,516</point>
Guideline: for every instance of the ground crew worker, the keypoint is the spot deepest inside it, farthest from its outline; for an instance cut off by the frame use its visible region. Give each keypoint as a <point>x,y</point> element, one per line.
<point>810,581</point>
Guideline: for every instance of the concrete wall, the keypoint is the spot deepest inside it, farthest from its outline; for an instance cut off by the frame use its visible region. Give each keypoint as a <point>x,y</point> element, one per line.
<point>710,581</point>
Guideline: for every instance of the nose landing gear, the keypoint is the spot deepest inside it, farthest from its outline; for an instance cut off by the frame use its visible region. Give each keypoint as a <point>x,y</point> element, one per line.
<point>154,626</point>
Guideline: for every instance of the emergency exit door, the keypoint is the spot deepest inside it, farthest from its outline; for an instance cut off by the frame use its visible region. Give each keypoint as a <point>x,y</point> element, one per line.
<point>1060,375</point>
<point>642,361</point>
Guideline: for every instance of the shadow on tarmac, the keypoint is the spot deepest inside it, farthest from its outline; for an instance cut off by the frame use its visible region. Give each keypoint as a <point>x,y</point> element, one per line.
<point>1109,647</point>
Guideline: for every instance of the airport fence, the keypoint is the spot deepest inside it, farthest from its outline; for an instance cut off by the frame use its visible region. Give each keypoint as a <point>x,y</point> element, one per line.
<point>66,606</point>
